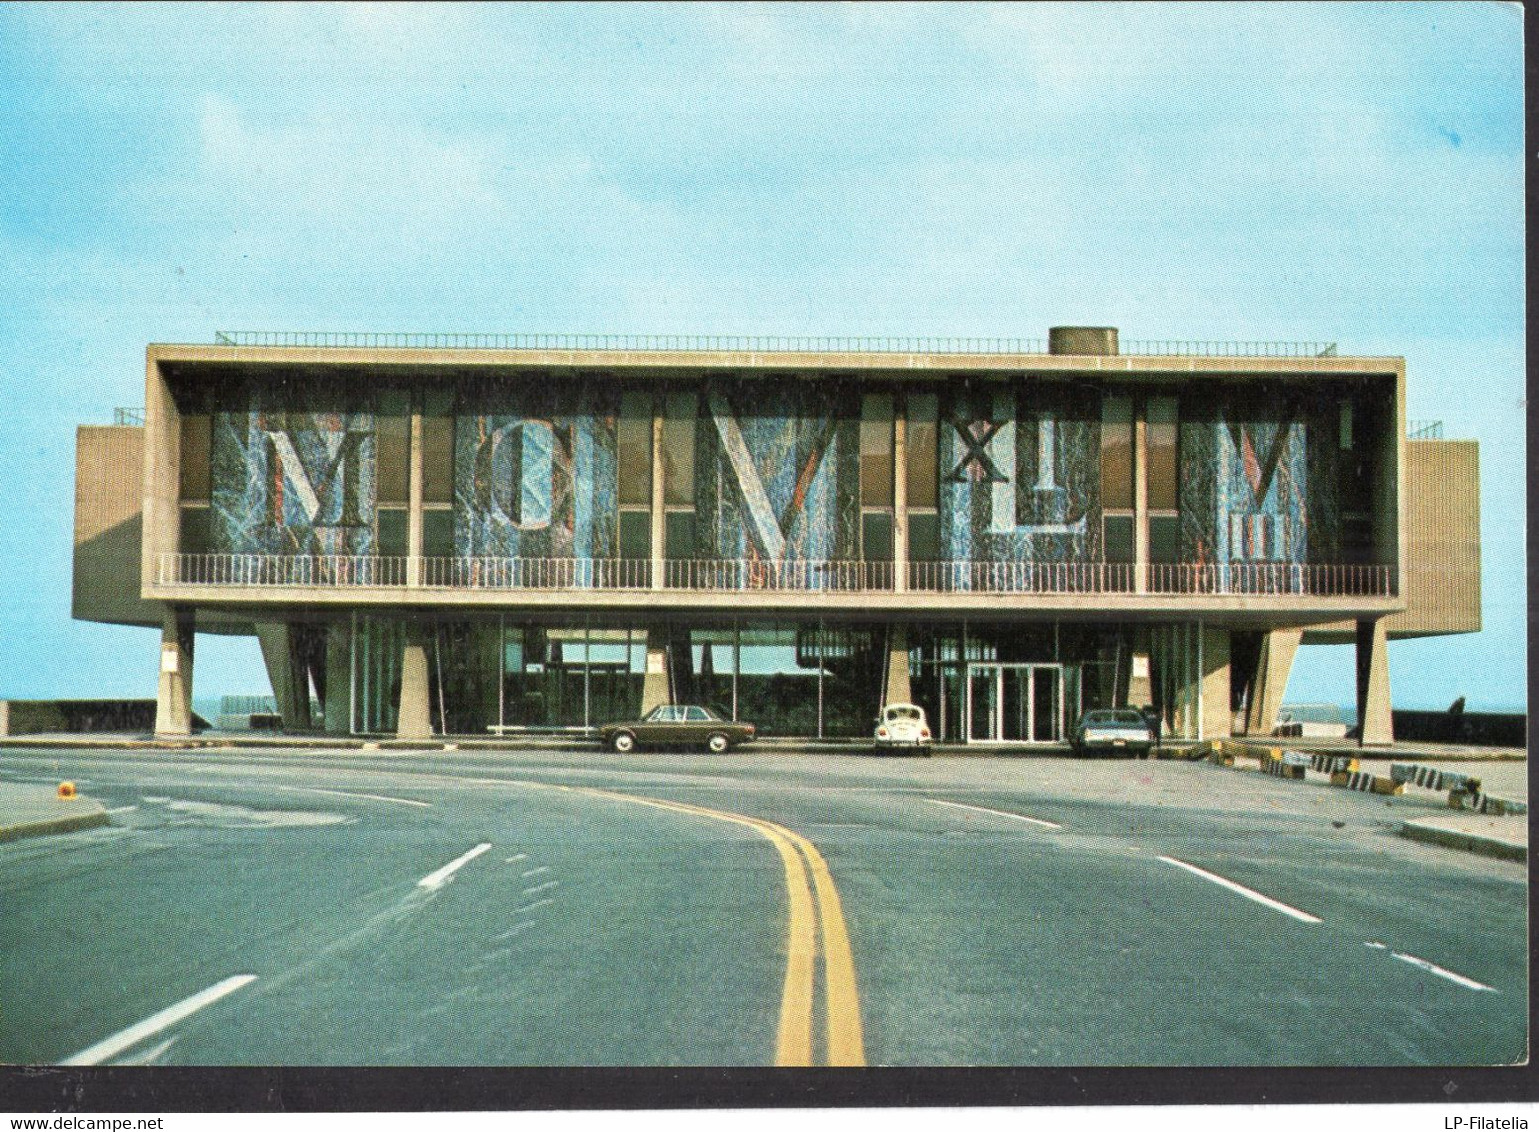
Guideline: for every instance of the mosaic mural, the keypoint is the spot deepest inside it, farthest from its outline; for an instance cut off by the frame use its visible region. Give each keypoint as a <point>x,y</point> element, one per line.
<point>780,480</point>
<point>1020,474</point>
<point>1257,480</point>
<point>535,472</point>
<point>296,481</point>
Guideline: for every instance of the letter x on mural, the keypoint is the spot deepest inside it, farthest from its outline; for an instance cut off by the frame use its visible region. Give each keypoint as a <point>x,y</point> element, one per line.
<point>976,453</point>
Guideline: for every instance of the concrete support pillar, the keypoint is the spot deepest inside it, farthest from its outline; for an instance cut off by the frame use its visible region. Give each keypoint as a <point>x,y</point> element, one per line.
<point>654,686</point>
<point>1140,669</point>
<point>173,699</point>
<point>1217,720</point>
<point>1376,725</point>
<point>414,503</point>
<point>1278,649</point>
<point>286,672</point>
<point>338,705</point>
<point>897,683</point>
<point>414,718</point>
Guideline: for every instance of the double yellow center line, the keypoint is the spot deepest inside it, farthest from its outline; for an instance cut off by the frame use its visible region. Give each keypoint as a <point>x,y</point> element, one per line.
<point>844,1043</point>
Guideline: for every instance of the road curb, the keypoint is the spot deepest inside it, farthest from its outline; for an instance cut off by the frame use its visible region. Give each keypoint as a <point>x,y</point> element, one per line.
<point>1469,842</point>
<point>65,823</point>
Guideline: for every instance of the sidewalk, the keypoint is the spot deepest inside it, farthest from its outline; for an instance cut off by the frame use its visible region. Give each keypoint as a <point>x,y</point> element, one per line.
<point>1502,773</point>
<point>28,811</point>
<point>1505,837</point>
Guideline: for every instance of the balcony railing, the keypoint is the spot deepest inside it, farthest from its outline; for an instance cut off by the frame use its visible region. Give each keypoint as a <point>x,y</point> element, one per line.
<point>1271,578</point>
<point>558,575</point>
<point>1022,577</point>
<point>749,343</point>
<point>282,570</point>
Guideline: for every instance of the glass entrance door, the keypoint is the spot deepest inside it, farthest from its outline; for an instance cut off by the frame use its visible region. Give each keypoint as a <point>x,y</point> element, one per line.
<point>983,703</point>
<point>1015,703</point>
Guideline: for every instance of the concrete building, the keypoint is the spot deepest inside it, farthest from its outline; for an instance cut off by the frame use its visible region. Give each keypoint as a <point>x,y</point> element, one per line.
<point>481,534</point>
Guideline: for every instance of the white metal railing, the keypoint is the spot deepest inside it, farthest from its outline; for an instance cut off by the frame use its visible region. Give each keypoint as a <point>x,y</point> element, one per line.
<point>1022,577</point>
<point>490,573</point>
<point>282,570</point>
<point>739,574</point>
<point>1265,578</point>
<point>749,343</point>
<point>748,575</point>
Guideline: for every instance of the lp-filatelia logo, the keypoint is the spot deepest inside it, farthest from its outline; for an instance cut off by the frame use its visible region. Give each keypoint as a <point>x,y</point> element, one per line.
<point>1484,1123</point>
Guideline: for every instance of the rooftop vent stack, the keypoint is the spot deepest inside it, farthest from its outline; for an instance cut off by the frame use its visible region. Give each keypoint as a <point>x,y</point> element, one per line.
<point>1093,340</point>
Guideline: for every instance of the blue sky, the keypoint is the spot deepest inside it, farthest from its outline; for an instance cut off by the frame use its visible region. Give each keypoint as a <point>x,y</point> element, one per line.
<point>1351,173</point>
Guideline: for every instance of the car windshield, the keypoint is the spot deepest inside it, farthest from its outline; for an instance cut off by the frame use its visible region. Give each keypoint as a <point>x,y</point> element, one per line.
<point>1123,716</point>
<point>904,711</point>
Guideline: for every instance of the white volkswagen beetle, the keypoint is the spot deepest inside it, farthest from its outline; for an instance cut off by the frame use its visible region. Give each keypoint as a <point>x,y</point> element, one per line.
<point>902,725</point>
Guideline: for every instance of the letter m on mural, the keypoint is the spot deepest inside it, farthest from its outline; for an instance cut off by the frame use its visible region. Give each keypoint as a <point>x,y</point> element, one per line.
<point>294,483</point>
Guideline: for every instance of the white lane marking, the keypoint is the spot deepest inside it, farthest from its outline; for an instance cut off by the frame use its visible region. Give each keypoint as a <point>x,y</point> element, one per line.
<point>1376,945</point>
<point>541,887</point>
<point>1442,972</point>
<point>535,872</point>
<point>122,809</point>
<point>1248,893</point>
<point>350,794</point>
<point>155,1023</point>
<point>515,857</point>
<point>996,813</point>
<point>514,930</point>
<point>438,876</point>
<point>532,906</point>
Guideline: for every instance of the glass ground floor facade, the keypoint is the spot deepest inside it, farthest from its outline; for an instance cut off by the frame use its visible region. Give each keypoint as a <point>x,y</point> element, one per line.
<point>979,682</point>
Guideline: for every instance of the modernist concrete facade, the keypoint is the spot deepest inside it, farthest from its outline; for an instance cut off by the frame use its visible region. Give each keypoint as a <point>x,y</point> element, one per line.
<point>480,535</point>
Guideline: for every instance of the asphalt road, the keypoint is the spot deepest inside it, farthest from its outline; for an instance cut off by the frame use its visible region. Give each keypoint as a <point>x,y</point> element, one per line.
<point>456,908</point>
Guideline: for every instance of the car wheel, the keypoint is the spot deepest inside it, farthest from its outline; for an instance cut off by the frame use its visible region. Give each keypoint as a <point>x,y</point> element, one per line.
<point>623,742</point>
<point>718,743</point>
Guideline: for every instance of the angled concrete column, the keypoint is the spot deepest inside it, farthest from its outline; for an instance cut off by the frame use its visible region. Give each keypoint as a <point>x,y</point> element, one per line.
<point>1217,720</point>
<point>286,672</point>
<point>897,682</point>
<point>1377,727</point>
<point>414,719</point>
<point>1278,649</point>
<point>173,699</point>
<point>654,685</point>
<point>338,704</point>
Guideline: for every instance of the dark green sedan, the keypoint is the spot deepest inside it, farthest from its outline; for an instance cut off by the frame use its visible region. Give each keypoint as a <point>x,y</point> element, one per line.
<point>677,725</point>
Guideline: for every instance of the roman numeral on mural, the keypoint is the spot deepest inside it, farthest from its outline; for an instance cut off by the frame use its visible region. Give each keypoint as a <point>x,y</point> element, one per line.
<point>333,499</point>
<point>523,498</point>
<point>977,444</point>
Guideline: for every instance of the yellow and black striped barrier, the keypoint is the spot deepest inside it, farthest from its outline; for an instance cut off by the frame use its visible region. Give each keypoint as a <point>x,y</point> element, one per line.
<point>1367,782</point>
<point>1330,764</point>
<point>1284,764</point>
<point>1485,803</point>
<point>1433,778</point>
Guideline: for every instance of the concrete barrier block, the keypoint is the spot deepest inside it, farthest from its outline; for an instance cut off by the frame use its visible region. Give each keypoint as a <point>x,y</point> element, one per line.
<point>1366,782</point>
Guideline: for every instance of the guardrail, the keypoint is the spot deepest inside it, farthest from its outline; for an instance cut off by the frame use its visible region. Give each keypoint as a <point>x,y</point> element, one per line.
<point>486,573</point>
<point>634,343</point>
<point>282,570</point>
<point>748,575</point>
<point>1266,578</point>
<point>1022,577</point>
<point>739,343</point>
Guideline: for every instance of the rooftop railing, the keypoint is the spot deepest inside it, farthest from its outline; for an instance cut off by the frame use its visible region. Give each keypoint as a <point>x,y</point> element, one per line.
<point>711,576</point>
<point>749,344</point>
<point>1424,430</point>
<point>122,416</point>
